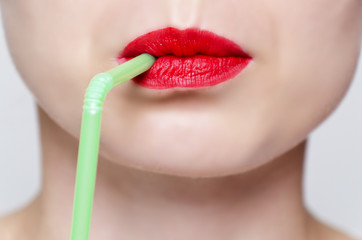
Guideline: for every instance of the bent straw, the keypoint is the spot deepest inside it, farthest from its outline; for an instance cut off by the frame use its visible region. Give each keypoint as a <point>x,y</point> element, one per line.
<point>89,138</point>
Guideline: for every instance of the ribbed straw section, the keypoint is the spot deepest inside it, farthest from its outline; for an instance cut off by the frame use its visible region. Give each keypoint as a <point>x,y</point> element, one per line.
<point>97,91</point>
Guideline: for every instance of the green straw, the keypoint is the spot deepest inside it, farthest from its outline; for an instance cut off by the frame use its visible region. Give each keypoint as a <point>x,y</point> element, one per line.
<point>89,138</point>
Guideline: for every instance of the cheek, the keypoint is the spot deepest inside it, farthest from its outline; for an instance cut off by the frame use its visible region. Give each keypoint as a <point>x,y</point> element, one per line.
<point>316,57</point>
<point>53,56</point>
<point>58,46</point>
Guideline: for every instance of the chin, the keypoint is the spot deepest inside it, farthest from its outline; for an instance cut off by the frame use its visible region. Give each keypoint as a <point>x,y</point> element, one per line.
<point>201,153</point>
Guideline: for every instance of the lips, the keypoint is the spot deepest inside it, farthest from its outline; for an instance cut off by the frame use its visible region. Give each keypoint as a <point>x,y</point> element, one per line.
<point>190,58</point>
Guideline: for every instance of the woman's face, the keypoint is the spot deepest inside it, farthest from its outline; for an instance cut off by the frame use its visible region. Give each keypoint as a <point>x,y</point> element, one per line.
<point>304,55</point>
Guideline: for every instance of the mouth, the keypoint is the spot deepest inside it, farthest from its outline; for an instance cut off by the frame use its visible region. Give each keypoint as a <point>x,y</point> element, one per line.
<point>190,58</point>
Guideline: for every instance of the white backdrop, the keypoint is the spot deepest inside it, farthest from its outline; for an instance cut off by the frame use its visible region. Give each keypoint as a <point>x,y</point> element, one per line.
<point>333,183</point>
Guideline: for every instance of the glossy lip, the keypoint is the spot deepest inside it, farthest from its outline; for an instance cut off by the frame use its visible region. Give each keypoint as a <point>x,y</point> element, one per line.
<point>189,58</point>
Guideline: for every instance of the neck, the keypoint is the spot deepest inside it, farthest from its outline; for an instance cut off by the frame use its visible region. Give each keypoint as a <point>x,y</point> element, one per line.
<point>265,203</point>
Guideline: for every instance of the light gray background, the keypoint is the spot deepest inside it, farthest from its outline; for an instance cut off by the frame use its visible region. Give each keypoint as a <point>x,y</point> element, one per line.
<point>333,183</point>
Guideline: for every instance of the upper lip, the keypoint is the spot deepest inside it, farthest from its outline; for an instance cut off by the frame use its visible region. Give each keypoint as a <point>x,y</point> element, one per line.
<point>182,43</point>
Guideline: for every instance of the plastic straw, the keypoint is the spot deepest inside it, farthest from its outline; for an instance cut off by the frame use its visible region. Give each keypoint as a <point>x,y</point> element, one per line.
<point>89,138</point>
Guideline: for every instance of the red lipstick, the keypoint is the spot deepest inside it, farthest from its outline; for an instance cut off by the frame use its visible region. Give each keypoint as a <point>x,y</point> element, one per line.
<point>189,58</point>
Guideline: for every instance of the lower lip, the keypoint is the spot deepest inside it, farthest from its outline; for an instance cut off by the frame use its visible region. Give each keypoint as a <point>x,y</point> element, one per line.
<point>190,72</point>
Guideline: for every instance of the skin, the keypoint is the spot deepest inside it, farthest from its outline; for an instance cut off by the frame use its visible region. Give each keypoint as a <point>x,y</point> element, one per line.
<point>224,162</point>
